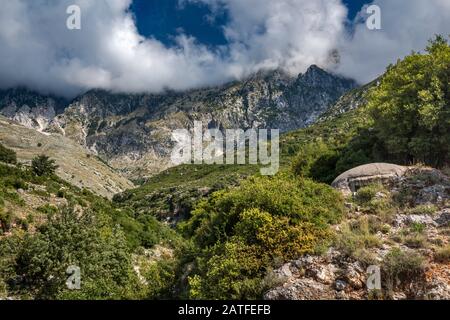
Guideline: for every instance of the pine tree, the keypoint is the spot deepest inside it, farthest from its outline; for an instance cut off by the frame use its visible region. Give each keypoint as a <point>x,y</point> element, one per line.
<point>43,166</point>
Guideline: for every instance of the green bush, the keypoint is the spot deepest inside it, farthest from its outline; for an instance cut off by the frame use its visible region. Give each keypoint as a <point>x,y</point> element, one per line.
<point>6,218</point>
<point>242,233</point>
<point>366,194</point>
<point>7,155</point>
<point>301,200</point>
<point>88,242</point>
<point>231,271</point>
<point>8,252</point>
<point>161,277</point>
<point>48,209</point>
<point>43,166</point>
<point>15,182</point>
<point>277,237</point>
<point>410,107</point>
<point>145,230</point>
<point>402,266</point>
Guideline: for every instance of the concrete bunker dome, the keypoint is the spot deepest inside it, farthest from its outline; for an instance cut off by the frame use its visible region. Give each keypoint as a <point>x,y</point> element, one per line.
<point>353,179</point>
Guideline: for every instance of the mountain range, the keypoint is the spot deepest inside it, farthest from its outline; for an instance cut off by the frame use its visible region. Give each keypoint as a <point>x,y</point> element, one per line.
<point>132,132</point>
<point>143,229</point>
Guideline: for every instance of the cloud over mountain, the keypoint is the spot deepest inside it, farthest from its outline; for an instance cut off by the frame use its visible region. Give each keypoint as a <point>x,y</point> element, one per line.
<point>407,25</point>
<point>38,51</point>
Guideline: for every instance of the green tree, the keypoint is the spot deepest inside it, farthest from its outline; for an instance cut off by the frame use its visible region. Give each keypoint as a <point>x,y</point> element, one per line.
<point>6,219</point>
<point>317,160</point>
<point>411,107</point>
<point>43,166</point>
<point>7,155</point>
<point>71,238</point>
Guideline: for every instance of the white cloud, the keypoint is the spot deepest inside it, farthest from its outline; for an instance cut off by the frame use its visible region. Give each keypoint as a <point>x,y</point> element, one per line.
<point>407,25</point>
<point>38,51</point>
<point>291,34</point>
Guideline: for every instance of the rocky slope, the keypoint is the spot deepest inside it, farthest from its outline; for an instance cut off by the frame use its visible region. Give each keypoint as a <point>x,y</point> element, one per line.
<point>350,101</point>
<point>132,132</point>
<point>401,226</point>
<point>30,109</point>
<point>75,165</point>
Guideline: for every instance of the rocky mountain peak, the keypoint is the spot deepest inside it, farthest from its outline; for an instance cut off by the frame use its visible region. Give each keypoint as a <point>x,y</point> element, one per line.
<point>134,130</point>
<point>317,77</point>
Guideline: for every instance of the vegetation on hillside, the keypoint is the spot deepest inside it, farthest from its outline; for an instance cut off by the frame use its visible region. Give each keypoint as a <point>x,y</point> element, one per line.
<point>229,227</point>
<point>173,193</point>
<point>240,234</point>
<point>411,107</point>
<point>7,155</point>
<point>42,165</point>
<point>48,225</point>
<point>406,121</point>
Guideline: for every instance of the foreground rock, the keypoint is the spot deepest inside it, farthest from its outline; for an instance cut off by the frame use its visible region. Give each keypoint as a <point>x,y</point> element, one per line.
<point>403,229</point>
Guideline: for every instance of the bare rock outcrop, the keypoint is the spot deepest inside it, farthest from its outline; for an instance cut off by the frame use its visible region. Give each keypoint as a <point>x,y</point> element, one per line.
<point>403,230</point>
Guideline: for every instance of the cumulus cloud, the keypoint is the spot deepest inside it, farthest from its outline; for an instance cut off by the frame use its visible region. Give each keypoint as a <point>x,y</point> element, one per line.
<point>38,51</point>
<point>288,34</point>
<point>407,25</point>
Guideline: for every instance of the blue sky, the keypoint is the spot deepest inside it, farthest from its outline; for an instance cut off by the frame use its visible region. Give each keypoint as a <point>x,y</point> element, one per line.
<point>162,18</point>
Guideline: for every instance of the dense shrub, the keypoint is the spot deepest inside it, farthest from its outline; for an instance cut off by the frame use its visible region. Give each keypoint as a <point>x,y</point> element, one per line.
<point>161,277</point>
<point>8,251</point>
<point>410,107</point>
<point>70,238</point>
<point>402,266</point>
<point>233,270</point>
<point>243,232</point>
<point>7,155</point>
<point>43,166</point>
<point>6,218</point>
<point>301,200</point>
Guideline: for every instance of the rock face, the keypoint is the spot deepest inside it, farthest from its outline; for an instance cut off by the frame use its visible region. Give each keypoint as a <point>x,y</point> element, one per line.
<point>407,225</point>
<point>336,277</point>
<point>132,132</point>
<point>326,277</point>
<point>350,101</point>
<point>351,180</point>
<point>30,109</point>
